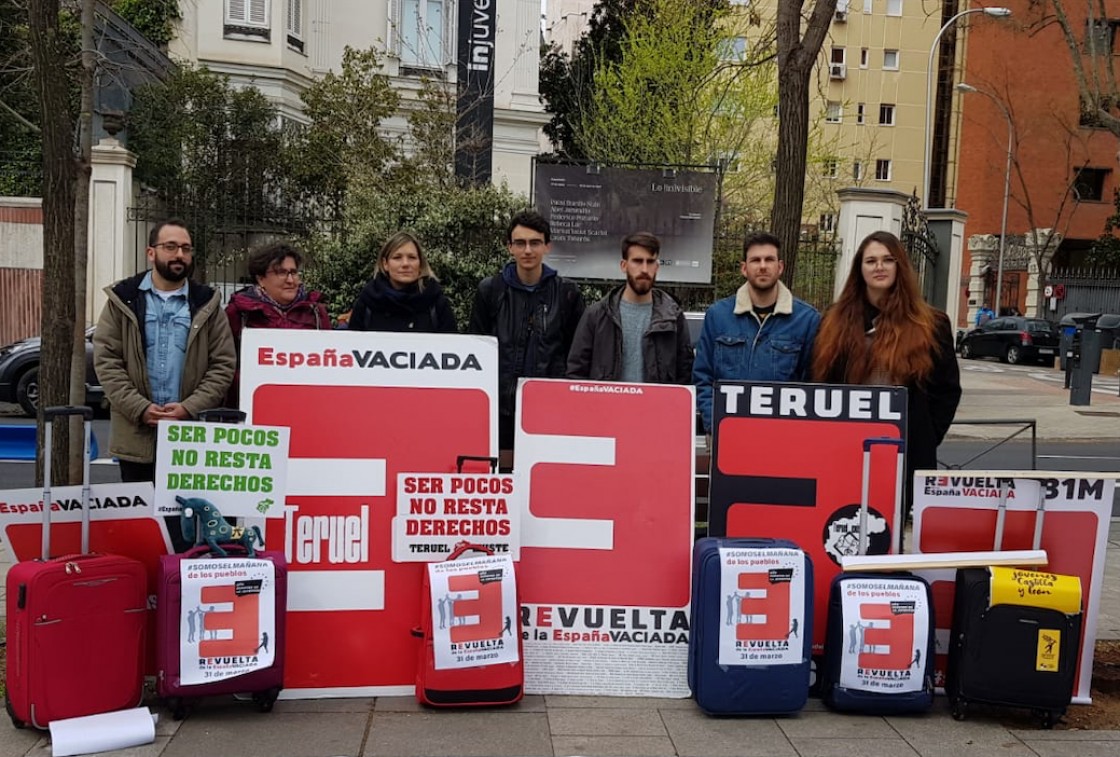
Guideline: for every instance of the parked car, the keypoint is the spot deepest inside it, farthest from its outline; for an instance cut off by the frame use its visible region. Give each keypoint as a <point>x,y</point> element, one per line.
<point>1013,339</point>
<point>19,374</point>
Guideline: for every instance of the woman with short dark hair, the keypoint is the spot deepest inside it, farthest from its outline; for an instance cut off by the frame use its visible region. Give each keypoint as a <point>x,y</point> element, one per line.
<point>403,294</point>
<point>277,300</point>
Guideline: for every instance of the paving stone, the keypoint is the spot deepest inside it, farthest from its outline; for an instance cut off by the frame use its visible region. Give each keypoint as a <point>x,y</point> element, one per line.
<point>1075,748</point>
<point>557,701</point>
<point>827,725</point>
<point>463,734</point>
<point>1040,735</point>
<point>16,742</point>
<point>613,746</point>
<point>353,704</point>
<point>235,731</point>
<point>940,736</point>
<point>696,735</point>
<point>606,722</point>
<point>531,703</point>
<point>824,747</point>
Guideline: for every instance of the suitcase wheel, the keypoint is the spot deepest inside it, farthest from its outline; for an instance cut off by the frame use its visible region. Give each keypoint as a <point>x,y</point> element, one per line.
<point>179,707</point>
<point>1048,719</point>
<point>959,709</point>
<point>265,699</point>
<point>12,714</point>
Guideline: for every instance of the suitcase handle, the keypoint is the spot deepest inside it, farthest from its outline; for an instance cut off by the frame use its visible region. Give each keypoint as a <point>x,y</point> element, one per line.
<point>466,546</point>
<point>493,462</point>
<point>58,411</point>
<point>222,415</point>
<point>887,441</point>
<point>201,550</point>
<point>49,416</point>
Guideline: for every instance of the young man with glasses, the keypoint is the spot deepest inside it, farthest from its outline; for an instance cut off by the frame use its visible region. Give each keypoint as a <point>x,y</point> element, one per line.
<point>532,311</point>
<point>162,350</point>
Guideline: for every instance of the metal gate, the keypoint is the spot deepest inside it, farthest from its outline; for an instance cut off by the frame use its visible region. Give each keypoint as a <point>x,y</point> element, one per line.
<point>921,245</point>
<point>1087,290</point>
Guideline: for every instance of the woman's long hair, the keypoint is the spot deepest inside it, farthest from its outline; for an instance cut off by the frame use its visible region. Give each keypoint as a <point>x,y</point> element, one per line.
<point>904,338</point>
<point>394,243</point>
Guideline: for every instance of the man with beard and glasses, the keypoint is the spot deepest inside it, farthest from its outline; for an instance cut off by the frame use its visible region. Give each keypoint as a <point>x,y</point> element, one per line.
<point>162,350</point>
<point>636,332</point>
<point>761,333</point>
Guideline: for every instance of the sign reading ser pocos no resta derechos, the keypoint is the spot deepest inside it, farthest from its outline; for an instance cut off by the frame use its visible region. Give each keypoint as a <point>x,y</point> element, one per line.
<point>240,469</point>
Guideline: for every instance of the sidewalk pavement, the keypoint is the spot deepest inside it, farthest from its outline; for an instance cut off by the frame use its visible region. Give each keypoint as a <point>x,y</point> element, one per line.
<point>994,391</point>
<point>567,725</point>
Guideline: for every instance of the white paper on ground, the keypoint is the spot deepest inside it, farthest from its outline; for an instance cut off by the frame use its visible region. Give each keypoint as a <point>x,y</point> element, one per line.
<point>103,733</point>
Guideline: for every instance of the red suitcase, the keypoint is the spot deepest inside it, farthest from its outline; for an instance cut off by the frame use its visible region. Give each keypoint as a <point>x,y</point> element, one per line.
<point>475,686</point>
<point>75,623</point>
<point>264,685</point>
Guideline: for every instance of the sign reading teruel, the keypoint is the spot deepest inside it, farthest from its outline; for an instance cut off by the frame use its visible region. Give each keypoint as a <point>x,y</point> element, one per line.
<point>362,408</point>
<point>606,473</point>
<point>957,512</point>
<point>241,469</point>
<point>787,463</point>
<point>437,511</point>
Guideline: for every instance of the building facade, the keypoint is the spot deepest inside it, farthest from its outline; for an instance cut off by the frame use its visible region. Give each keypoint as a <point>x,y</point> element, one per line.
<point>281,46</point>
<point>1063,164</point>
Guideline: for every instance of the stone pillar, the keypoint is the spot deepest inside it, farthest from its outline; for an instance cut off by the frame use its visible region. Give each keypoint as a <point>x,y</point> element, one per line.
<point>110,245</point>
<point>984,249</point>
<point>1046,240</point>
<point>947,227</point>
<point>863,211</point>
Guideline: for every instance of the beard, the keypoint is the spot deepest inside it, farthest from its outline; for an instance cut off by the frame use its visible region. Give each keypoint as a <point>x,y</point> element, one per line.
<point>755,284</point>
<point>639,286</point>
<point>173,271</point>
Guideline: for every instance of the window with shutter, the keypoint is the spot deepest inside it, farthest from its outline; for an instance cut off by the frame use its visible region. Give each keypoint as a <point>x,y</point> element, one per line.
<point>247,18</point>
<point>295,18</point>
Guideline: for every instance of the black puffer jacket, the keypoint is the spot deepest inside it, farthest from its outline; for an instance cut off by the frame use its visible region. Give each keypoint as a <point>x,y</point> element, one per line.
<point>380,307</point>
<point>534,326</point>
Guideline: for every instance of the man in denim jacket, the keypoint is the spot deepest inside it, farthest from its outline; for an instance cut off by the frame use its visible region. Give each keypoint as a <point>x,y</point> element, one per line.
<point>762,333</point>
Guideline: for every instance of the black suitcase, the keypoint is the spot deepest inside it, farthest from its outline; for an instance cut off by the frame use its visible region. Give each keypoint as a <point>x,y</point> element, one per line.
<point>995,652</point>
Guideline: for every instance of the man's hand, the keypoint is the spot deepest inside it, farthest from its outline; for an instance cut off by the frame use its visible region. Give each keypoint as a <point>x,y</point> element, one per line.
<point>172,411</point>
<point>152,415</point>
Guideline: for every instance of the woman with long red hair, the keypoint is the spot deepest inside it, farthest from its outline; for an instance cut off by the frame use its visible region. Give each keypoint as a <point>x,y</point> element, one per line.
<point>880,331</point>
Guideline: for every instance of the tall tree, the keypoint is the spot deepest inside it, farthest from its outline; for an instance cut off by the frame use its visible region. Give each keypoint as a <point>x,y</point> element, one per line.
<point>566,80</point>
<point>799,44</point>
<point>49,53</point>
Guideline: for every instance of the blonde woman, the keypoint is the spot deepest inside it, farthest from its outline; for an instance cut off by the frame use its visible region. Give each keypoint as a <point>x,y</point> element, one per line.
<point>403,294</point>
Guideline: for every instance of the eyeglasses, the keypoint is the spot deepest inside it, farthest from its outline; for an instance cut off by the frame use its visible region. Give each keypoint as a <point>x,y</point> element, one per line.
<point>527,244</point>
<point>286,273</point>
<point>173,247</point>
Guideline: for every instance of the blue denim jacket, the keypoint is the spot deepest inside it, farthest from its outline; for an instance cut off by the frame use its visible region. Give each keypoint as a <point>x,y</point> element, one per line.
<point>735,346</point>
<point>167,324</point>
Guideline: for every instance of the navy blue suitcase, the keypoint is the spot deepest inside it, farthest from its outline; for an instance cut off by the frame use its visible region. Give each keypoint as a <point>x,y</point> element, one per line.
<point>879,644</point>
<point>759,617</point>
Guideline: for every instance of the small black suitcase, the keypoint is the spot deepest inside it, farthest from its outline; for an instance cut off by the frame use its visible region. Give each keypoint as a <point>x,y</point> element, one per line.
<point>996,652</point>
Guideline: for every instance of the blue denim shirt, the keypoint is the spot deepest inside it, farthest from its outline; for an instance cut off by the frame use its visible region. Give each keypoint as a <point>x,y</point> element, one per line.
<point>735,346</point>
<point>167,324</point>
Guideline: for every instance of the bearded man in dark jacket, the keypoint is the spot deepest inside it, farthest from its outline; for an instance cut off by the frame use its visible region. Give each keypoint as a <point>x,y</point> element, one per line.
<point>532,311</point>
<point>636,333</point>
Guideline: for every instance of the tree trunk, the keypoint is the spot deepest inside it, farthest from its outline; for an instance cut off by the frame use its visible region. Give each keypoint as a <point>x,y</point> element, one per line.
<point>797,56</point>
<point>789,184</point>
<point>81,237</point>
<point>48,53</point>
